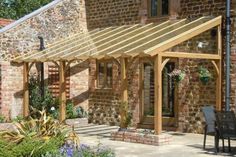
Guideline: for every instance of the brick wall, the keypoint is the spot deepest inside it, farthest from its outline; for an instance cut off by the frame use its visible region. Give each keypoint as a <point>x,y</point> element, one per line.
<point>11,89</point>
<point>191,91</point>
<point>104,13</point>
<point>103,102</point>
<point>64,18</point>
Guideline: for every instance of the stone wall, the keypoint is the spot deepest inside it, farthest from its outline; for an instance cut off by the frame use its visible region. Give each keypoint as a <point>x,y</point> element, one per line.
<point>193,95</point>
<point>53,22</point>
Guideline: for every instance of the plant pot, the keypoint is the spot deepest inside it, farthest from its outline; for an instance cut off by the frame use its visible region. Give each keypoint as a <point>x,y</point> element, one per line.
<point>204,80</point>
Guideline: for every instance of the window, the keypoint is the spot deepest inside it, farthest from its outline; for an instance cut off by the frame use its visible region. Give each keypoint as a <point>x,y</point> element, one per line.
<point>158,8</point>
<point>168,91</point>
<point>104,75</point>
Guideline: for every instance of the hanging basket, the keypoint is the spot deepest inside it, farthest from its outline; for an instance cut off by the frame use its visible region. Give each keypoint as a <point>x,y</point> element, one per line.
<point>178,78</point>
<point>205,80</point>
<point>178,75</point>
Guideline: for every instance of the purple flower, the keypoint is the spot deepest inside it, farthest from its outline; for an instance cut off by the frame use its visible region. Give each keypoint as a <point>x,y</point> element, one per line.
<point>84,147</point>
<point>67,150</point>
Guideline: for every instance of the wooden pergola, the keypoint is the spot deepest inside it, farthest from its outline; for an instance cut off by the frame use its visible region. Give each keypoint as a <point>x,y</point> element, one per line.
<point>123,42</point>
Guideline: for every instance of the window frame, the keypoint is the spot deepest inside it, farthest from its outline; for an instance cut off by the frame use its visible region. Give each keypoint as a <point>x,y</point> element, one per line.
<point>159,9</point>
<point>105,83</point>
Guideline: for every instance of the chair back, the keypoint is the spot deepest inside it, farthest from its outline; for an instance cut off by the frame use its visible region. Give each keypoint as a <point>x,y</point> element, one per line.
<point>210,118</point>
<point>226,123</point>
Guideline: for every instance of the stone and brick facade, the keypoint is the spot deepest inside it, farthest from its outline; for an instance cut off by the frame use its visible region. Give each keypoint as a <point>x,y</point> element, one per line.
<point>53,22</point>
<point>67,17</point>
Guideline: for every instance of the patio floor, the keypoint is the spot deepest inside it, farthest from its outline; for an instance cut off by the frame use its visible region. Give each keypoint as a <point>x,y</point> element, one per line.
<point>182,145</point>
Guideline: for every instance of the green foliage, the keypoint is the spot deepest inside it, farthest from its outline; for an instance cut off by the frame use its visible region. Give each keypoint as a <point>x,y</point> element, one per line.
<point>204,72</point>
<point>81,112</point>
<point>38,102</point>
<point>30,147</point>
<point>125,111</point>
<point>36,137</point>
<point>178,75</point>
<point>43,128</point>
<point>14,9</point>
<point>18,119</point>
<point>72,112</point>
<point>2,119</point>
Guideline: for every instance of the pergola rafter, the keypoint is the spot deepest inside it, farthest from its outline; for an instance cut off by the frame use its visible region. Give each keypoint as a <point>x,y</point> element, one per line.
<point>122,43</point>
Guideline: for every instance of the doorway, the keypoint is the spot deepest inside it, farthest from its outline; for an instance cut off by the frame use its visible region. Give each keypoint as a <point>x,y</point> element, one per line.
<point>169,109</point>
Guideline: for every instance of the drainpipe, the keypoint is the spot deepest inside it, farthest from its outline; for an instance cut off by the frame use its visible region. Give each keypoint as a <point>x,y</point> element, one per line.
<point>227,81</point>
<point>41,48</point>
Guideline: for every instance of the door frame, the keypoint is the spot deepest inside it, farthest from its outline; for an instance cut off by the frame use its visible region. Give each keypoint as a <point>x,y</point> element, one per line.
<point>149,120</point>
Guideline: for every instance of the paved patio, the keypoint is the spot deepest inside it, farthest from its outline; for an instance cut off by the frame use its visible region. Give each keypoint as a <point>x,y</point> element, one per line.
<point>182,145</point>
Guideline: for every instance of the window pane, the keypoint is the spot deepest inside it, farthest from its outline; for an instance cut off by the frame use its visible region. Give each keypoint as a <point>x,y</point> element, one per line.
<point>168,91</point>
<point>109,75</point>
<point>165,7</point>
<point>148,90</point>
<point>154,7</point>
<point>101,74</point>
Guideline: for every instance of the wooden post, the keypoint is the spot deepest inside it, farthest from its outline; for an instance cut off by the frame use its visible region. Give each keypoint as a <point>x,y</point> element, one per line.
<point>124,88</point>
<point>62,84</point>
<point>158,94</point>
<point>219,66</point>
<point>26,89</point>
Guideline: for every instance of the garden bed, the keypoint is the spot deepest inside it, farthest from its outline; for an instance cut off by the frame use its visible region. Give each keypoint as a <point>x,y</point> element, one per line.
<point>144,137</point>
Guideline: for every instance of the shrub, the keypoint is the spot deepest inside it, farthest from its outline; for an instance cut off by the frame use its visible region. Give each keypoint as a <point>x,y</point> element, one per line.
<point>37,101</point>
<point>81,112</point>
<point>72,112</point>
<point>43,128</point>
<point>127,115</point>
<point>30,147</point>
<point>18,119</point>
<point>36,137</point>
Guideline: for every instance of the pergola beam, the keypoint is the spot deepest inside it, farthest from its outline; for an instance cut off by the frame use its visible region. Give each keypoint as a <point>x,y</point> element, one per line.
<point>191,55</point>
<point>118,46</point>
<point>117,39</point>
<point>101,42</point>
<point>186,35</point>
<point>146,38</point>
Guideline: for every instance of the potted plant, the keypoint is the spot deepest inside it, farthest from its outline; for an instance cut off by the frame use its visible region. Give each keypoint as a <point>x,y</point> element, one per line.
<point>204,74</point>
<point>178,75</point>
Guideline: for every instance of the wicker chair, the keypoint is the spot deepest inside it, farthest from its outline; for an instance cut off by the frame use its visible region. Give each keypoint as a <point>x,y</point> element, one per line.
<point>226,127</point>
<point>209,129</point>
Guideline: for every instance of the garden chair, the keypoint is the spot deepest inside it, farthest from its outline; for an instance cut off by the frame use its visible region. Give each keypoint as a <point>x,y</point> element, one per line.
<point>209,128</point>
<point>226,127</point>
